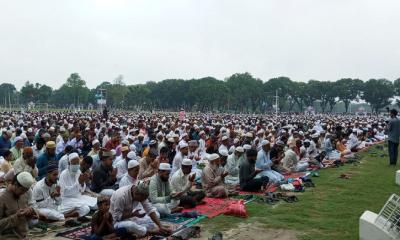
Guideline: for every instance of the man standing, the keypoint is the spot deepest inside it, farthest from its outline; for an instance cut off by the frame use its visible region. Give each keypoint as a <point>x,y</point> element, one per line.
<point>393,137</point>
<point>15,214</point>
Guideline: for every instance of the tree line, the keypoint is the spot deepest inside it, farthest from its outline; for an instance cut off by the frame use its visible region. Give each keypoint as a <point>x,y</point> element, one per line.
<point>240,92</point>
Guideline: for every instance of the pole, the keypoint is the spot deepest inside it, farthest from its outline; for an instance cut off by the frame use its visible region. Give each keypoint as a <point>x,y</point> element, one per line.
<point>276,104</point>
<point>9,100</point>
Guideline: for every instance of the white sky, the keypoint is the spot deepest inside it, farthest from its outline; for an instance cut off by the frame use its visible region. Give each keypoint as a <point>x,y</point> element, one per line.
<point>151,40</point>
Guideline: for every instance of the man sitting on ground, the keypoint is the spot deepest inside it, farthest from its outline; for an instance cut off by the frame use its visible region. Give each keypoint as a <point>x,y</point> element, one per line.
<point>181,183</point>
<point>105,176</point>
<point>131,176</point>
<point>148,165</point>
<point>212,178</point>
<point>248,172</point>
<point>126,207</point>
<point>15,214</point>
<point>160,193</point>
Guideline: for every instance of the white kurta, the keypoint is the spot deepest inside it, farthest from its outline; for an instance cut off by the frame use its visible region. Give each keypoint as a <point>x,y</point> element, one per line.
<point>71,192</point>
<point>126,180</point>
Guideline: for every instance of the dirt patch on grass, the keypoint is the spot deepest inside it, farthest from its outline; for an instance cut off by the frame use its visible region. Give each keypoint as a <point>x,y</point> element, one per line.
<point>253,231</point>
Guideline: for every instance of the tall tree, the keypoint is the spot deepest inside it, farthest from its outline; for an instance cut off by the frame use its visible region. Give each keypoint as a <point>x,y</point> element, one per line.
<point>348,90</point>
<point>377,93</point>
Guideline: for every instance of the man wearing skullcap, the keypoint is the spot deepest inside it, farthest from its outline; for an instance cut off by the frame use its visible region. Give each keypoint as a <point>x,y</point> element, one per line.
<point>181,183</point>
<point>232,165</point>
<point>104,175</point>
<point>160,192</point>
<point>131,176</point>
<point>213,177</point>
<point>15,212</point>
<point>148,165</point>
<point>47,195</point>
<point>17,149</point>
<point>265,163</point>
<point>46,157</point>
<point>248,173</point>
<point>131,209</point>
<point>180,155</point>
<point>122,164</point>
<point>26,163</point>
<point>5,142</point>
<point>73,184</point>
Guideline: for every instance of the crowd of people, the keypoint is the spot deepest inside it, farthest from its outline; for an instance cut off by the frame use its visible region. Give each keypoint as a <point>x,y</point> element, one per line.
<point>133,168</point>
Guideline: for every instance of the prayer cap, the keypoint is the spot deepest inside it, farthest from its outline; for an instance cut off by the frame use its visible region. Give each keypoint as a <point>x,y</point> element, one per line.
<point>72,156</point>
<point>224,138</point>
<point>164,167</point>
<point>247,147</point>
<point>213,157</point>
<point>52,167</point>
<point>19,138</point>
<point>223,152</point>
<point>193,143</point>
<point>50,144</point>
<point>132,164</point>
<point>124,148</point>
<point>182,144</point>
<point>94,142</point>
<point>110,153</point>
<point>239,149</point>
<point>187,162</point>
<point>264,142</point>
<point>131,155</point>
<point>25,179</point>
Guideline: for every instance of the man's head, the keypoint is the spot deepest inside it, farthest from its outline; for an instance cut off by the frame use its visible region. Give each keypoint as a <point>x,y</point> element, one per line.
<point>163,171</point>
<point>96,144</point>
<point>186,166</point>
<point>133,168</point>
<point>27,154</point>
<point>184,148</point>
<point>86,163</point>
<point>266,146</point>
<point>393,113</point>
<point>163,153</point>
<point>52,173</point>
<point>213,159</point>
<point>193,145</point>
<point>153,154</point>
<point>40,143</point>
<point>73,160</point>
<point>124,151</point>
<point>223,155</point>
<point>51,148</point>
<point>251,155</point>
<point>140,191</point>
<point>225,140</point>
<point>19,142</point>
<point>107,158</point>
<point>103,203</point>
<point>21,184</point>
<point>239,151</point>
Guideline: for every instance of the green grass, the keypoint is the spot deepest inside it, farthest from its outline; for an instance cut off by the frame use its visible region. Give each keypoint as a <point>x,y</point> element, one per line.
<point>332,209</point>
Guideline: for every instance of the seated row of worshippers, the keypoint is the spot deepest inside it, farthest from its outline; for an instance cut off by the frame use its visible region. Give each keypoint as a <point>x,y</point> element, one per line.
<point>170,173</point>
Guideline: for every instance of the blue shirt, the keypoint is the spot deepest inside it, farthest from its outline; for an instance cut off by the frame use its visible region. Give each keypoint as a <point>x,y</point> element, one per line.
<point>42,162</point>
<point>4,145</point>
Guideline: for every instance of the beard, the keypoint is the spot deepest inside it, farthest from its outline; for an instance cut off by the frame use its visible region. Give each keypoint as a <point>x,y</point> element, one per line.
<point>164,179</point>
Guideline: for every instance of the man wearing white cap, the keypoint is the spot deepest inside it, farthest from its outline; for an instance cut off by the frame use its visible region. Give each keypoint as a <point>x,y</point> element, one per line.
<point>160,193</point>
<point>73,184</point>
<point>264,163</point>
<point>179,156</point>
<point>131,176</point>
<point>17,149</point>
<point>95,148</point>
<point>224,143</point>
<point>232,166</point>
<point>212,178</point>
<point>122,165</point>
<point>15,213</point>
<point>181,183</point>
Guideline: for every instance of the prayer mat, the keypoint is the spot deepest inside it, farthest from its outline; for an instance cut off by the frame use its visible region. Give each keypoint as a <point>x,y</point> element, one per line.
<point>76,233</point>
<point>251,193</point>
<point>294,175</point>
<point>212,207</point>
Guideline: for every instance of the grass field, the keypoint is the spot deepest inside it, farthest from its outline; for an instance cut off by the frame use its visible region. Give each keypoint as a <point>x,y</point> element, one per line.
<point>332,209</point>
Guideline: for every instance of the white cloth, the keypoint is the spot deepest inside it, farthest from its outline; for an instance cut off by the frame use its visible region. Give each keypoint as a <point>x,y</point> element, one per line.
<point>126,180</point>
<point>122,169</point>
<point>179,182</point>
<point>71,192</point>
<point>177,162</point>
<point>63,163</point>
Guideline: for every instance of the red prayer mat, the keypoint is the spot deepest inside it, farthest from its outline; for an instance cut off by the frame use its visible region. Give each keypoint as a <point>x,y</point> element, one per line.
<point>212,207</point>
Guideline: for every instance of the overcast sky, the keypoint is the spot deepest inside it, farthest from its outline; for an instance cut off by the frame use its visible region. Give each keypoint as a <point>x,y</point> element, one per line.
<point>148,40</point>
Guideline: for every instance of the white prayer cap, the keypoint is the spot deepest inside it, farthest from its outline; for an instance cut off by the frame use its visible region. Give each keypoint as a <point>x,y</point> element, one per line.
<point>224,138</point>
<point>247,147</point>
<point>261,131</point>
<point>236,140</point>
<point>187,162</point>
<point>160,134</point>
<point>213,157</point>
<point>264,142</point>
<point>249,135</point>
<point>132,164</point>
<point>72,156</point>
<point>223,152</point>
<point>23,135</point>
<point>94,142</point>
<point>164,167</point>
<point>52,129</point>
<point>131,155</point>
<point>19,138</point>
<point>301,133</point>
<point>30,130</point>
<point>171,140</point>
<point>182,144</point>
<point>239,149</point>
<point>306,141</point>
<point>130,137</point>
<point>315,135</point>
<point>175,135</point>
<point>202,132</point>
<point>125,142</point>
<point>25,179</point>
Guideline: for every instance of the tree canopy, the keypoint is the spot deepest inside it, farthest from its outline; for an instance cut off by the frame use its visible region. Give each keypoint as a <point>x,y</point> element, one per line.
<point>240,92</point>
